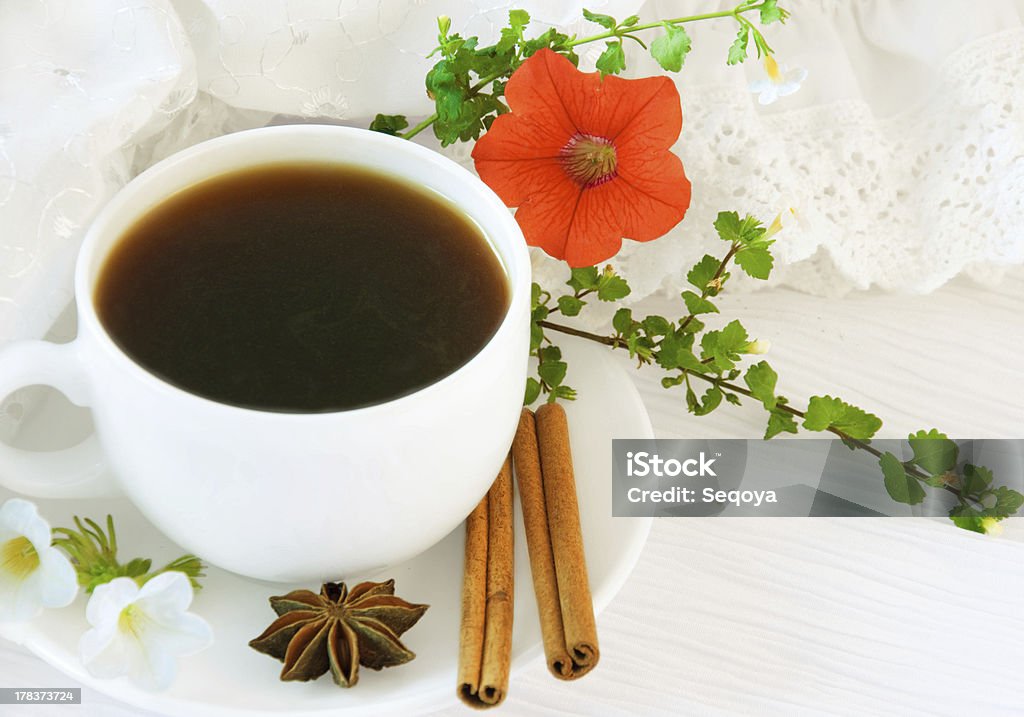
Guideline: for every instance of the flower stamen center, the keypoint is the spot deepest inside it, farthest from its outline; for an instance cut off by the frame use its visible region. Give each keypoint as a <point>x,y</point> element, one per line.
<point>131,620</point>
<point>18,557</point>
<point>589,160</point>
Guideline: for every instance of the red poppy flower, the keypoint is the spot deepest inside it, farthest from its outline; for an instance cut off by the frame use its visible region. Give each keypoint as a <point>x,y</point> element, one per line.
<point>586,159</point>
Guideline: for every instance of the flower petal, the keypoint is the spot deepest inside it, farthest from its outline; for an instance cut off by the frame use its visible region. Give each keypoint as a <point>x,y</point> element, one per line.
<point>519,182</point>
<point>106,653</point>
<point>650,195</point>
<point>152,667</point>
<point>538,88</point>
<point>187,635</point>
<point>59,581</point>
<point>512,138</point>
<point>21,517</point>
<point>165,597</point>
<point>108,600</point>
<point>594,234</point>
<point>787,88</point>
<point>20,599</point>
<point>639,114</point>
<point>545,217</point>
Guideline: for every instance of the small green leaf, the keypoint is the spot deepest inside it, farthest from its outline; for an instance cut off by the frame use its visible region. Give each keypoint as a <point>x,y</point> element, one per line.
<point>536,335</point>
<point>698,305</point>
<point>605,21</point>
<point>1008,502</point>
<point>389,124</point>
<point>779,422</point>
<point>711,400</point>
<point>733,399</point>
<point>613,60</point>
<point>901,487</point>
<point>535,293</point>
<point>639,346</point>
<point>738,49</point>
<point>694,327</point>
<point>727,224</point>
<point>622,322</point>
<point>656,325</point>
<point>724,346</point>
<point>747,232</point>
<point>675,352</point>
<point>703,272</point>
<point>671,48</point>
<point>552,372</point>
<point>611,287</point>
<point>969,522</point>
<point>532,391</point>
<point>630,21</point>
<point>569,394</point>
<point>550,353</point>
<point>975,478</point>
<point>570,305</point>
<point>518,19</point>
<point>771,12</point>
<point>755,261</point>
<point>824,412</point>
<point>933,451</point>
<point>583,278</point>
<point>137,566</point>
<point>761,379</point>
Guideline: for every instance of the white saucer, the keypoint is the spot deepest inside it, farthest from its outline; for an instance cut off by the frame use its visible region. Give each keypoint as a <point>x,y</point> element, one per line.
<point>231,679</point>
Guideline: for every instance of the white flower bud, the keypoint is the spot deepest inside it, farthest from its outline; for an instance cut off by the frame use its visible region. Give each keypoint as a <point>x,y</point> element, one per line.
<point>758,346</point>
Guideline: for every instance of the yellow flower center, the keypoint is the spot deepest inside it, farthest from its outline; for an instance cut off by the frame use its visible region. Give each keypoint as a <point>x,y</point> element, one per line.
<point>18,557</point>
<point>589,160</point>
<point>772,68</point>
<point>129,619</point>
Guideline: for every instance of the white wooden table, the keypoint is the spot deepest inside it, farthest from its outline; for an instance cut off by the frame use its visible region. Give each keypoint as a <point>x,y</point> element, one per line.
<point>797,617</point>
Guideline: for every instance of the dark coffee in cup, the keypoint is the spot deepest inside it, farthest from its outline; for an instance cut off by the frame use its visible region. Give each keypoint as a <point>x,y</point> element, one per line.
<point>302,287</point>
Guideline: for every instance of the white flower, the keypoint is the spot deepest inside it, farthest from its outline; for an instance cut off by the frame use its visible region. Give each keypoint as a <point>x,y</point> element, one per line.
<point>33,574</point>
<point>991,526</point>
<point>780,82</point>
<point>140,631</point>
<point>758,346</point>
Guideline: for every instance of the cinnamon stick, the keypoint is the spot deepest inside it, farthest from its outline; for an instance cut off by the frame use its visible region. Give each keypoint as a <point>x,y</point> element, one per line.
<point>474,600</point>
<point>538,543</point>
<point>577,606</point>
<point>485,648</point>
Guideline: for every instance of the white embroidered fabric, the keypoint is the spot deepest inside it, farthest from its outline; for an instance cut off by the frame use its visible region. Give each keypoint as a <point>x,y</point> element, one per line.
<point>902,154</point>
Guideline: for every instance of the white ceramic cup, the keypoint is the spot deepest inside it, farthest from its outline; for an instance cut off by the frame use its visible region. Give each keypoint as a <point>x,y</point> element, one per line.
<point>279,496</point>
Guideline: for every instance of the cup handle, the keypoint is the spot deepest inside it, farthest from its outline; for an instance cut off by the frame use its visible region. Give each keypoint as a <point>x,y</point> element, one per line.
<point>75,472</point>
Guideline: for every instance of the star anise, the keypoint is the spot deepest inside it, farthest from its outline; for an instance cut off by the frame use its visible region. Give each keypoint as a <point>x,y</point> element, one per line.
<point>339,630</point>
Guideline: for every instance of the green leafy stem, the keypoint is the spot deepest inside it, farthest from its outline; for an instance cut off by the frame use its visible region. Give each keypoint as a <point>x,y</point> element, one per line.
<point>93,553</point>
<point>688,352</point>
<point>467,84</point>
